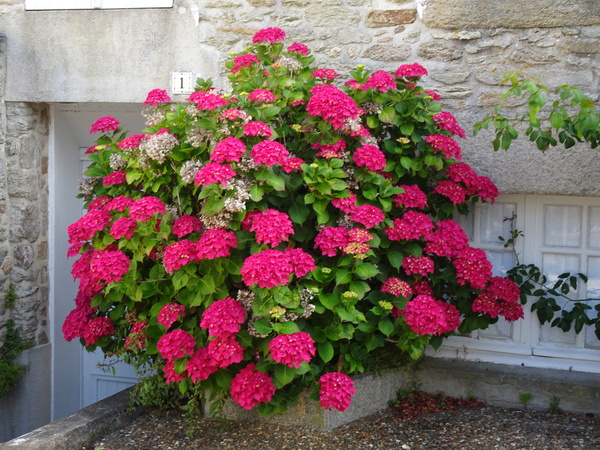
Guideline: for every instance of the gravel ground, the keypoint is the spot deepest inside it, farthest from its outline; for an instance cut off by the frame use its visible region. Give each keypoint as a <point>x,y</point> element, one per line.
<point>464,428</point>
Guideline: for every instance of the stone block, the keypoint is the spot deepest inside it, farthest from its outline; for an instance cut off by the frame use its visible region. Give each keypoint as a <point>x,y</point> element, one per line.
<point>373,393</point>
<point>481,14</point>
<point>390,17</point>
<point>450,77</point>
<point>439,51</point>
<point>388,53</point>
<point>582,46</point>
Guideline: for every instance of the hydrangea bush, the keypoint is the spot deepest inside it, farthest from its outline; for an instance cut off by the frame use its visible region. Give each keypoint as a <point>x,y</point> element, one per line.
<point>257,242</point>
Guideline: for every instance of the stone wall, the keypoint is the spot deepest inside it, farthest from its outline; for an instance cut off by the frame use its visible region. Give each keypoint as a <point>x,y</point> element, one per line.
<point>23,215</point>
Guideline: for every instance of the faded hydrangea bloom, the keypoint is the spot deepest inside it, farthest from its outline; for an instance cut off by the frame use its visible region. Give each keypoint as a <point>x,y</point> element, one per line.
<point>157,146</point>
<point>86,185</point>
<point>198,136</point>
<point>290,64</point>
<point>116,161</point>
<point>189,169</point>
<point>220,220</point>
<point>153,116</point>
<point>246,297</point>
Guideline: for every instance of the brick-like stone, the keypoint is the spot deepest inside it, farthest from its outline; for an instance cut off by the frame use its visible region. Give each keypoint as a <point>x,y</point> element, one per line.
<point>381,52</point>
<point>390,17</point>
<point>583,46</point>
<point>450,77</point>
<point>478,14</point>
<point>259,3</point>
<point>439,51</point>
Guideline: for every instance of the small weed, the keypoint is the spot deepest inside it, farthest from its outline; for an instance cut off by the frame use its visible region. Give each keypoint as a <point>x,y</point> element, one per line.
<point>553,406</point>
<point>525,398</point>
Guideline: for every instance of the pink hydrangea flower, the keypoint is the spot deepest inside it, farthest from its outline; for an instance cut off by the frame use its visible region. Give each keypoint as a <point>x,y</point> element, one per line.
<point>75,323</point>
<point>346,204</point>
<point>422,286</point>
<point>249,218</point>
<point>123,227</point>
<point>223,318</point>
<point>268,268</point>
<point>269,153</point>
<point>502,297</point>
<point>96,328</point>
<point>256,128</point>
<point>99,203</point>
<point>396,287</point>
<point>106,124</point>
<point>229,149</point>
<point>156,97</point>
<point>170,313</point>
<point>290,164</point>
<point>243,61</point>
<point>233,114</point>
<point>114,178</point>
<point>132,141</point>
<point>272,227</point>
<point>446,121</point>
<point>447,240</point>
<point>426,315</point>
<point>369,156</point>
<point>333,105</point>
<point>454,192</point>
<point>145,208</point>
<point>368,215</point>
<point>463,173</point>
<point>412,225</point>
<point>444,144</point>
<point>336,391</point>
<point>292,349</point>
<point>411,70</point>
<point>412,197</point>
<point>207,100</point>
<point>262,96</point>
<point>137,337</point>
<point>213,172</point>
<point>486,189</point>
<point>176,344</point>
<point>473,268</point>
<point>380,80</point>
<point>88,225</point>
<point>251,387</point>
<point>91,149</point>
<point>354,85</point>
<point>330,239</point>
<point>200,366</point>
<point>109,265</point>
<point>299,48</point>
<point>434,95</point>
<point>325,74</point>
<point>270,35</point>
<point>302,263</point>
<point>329,151</point>
<point>215,243</point>
<point>120,203</point>
<point>171,375</point>
<point>185,225</point>
<point>178,254</point>
<point>225,352</point>
<point>422,265</point>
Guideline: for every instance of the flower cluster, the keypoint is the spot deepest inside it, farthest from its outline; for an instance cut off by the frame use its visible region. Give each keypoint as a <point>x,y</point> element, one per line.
<point>336,391</point>
<point>243,231</point>
<point>292,349</point>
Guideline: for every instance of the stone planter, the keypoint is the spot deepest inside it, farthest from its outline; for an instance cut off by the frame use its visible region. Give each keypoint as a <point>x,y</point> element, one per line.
<point>373,392</point>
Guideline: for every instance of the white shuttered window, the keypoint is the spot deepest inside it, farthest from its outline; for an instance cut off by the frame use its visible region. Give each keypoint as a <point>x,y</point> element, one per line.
<point>562,234</point>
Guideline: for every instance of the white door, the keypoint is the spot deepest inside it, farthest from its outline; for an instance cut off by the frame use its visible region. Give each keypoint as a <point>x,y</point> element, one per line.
<point>76,379</point>
<point>101,377</point>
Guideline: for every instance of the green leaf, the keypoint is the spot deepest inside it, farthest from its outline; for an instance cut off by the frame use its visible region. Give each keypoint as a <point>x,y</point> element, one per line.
<point>329,301</point>
<point>342,276</point>
<point>262,326</point>
<point>388,114</point>
<point>256,193</point>
<point>286,328</point>
<point>395,258</point>
<point>366,271</point>
<point>298,213</point>
<point>206,284</point>
<point>325,351</point>
<point>386,327</point>
<point>282,375</point>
